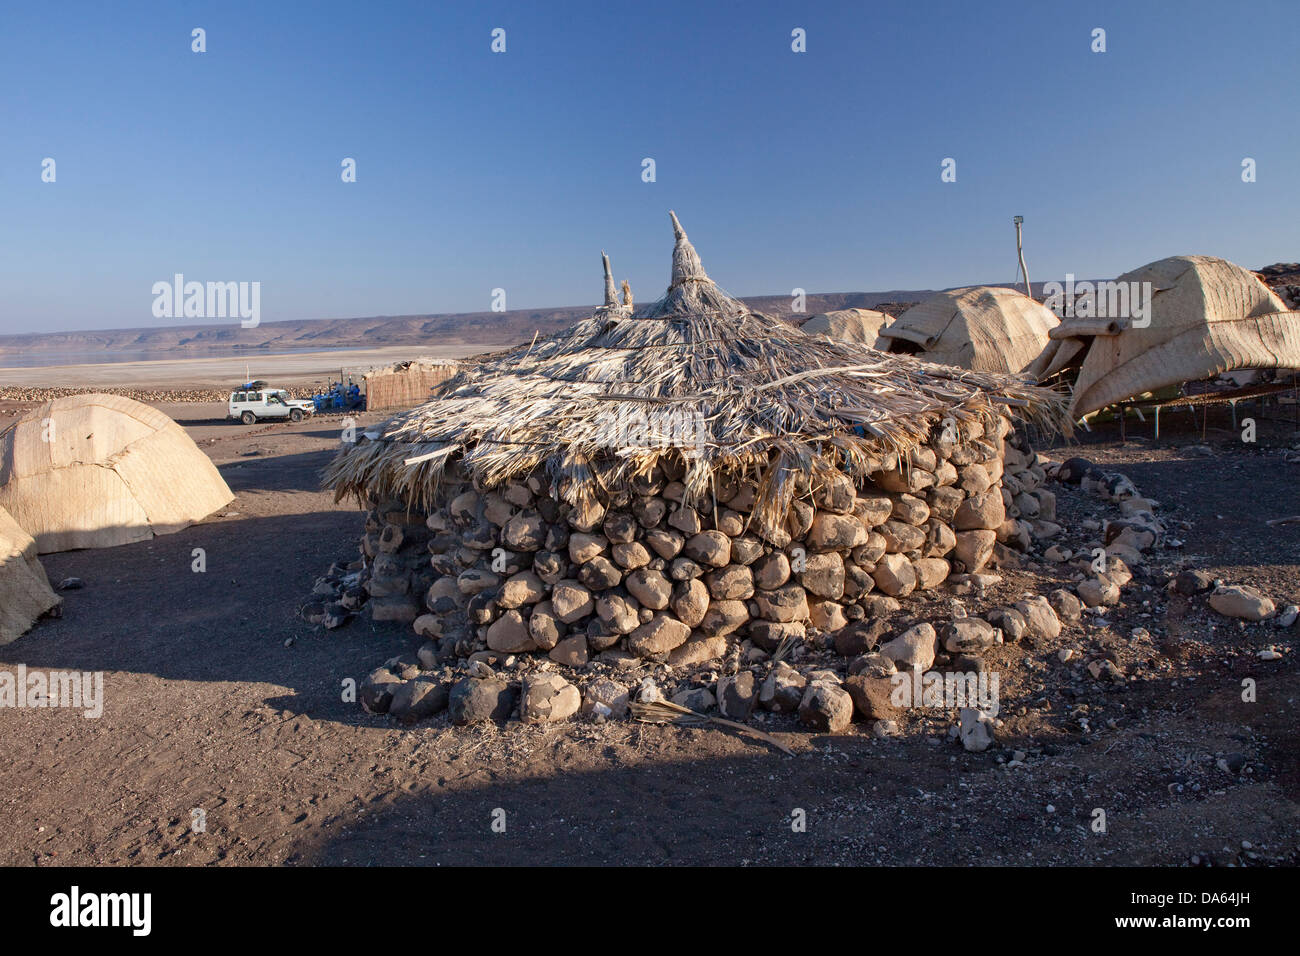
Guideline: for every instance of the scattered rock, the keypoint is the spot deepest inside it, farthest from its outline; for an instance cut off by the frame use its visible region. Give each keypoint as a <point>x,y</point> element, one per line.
<point>975,728</point>
<point>1232,763</point>
<point>737,695</point>
<point>1193,581</point>
<point>474,700</point>
<point>376,691</point>
<point>1040,617</point>
<point>1068,608</point>
<point>782,690</point>
<point>1105,669</point>
<point>1241,601</point>
<point>1072,470</point>
<point>885,728</point>
<point>871,696</point>
<point>1011,622</point>
<point>698,699</point>
<point>418,699</point>
<point>1097,592</point>
<point>826,707</point>
<point>548,698</point>
<point>965,636</point>
<point>913,649</point>
<point>606,698</point>
<point>872,665</point>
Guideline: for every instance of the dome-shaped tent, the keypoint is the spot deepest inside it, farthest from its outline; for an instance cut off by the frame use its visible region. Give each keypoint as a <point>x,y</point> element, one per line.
<point>24,590</point>
<point>984,328</point>
<point>93,471</point>
<point>1207,316</point>
<point>849,325</point>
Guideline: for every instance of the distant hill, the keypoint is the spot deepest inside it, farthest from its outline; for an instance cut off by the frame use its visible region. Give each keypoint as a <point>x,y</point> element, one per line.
<point>474,330</point>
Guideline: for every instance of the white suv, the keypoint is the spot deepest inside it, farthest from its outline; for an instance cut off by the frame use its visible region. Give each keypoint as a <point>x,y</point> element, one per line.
<point>248,405</point>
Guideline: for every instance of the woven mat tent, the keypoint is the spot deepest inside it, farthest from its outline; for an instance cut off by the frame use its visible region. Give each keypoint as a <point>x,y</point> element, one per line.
<point>93,471</point>
<point>25,592</point>
<point>404,384</point>
<point>849,325</point>
<point>752,393</point>
<point>1208,316</point>
<point>985,328</point>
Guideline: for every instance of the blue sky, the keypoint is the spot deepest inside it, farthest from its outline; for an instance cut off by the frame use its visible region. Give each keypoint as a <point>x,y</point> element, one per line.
<point>478,170</point>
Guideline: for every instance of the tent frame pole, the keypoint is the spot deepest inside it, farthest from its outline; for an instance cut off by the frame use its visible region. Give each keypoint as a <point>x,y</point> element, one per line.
<point>1020,254</point>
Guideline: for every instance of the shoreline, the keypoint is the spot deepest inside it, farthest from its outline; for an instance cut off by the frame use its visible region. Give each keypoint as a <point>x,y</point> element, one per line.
<point>224,372</point>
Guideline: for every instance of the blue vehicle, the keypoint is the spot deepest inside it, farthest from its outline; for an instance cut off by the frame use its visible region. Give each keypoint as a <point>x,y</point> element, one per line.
<point>339,398</point>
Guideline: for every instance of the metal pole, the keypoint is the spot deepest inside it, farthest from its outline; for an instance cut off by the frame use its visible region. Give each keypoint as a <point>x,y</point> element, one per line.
<point>1020,252</point>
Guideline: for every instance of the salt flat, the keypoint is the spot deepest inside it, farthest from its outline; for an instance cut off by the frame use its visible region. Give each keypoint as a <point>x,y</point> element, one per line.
<point>283,369</point>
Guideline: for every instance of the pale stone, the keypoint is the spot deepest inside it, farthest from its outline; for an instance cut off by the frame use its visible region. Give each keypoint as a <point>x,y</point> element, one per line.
<point>930,572</point>
<point>659,636</point>
<point>981,512</point>
<point>974,548</point>
<point>914,649</point>
<point>788,603</point>
<point>823,576</point>
<point>510,634</point>
<point>894,575</point>
<point>571,600</point>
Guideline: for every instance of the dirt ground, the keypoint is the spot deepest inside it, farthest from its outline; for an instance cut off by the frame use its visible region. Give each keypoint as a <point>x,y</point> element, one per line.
<point>220,699</point>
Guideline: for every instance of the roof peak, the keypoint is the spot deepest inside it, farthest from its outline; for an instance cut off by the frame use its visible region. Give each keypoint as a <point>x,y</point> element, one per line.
<point>678,231</point>
<point>686,261</point>
<point>690,291</point>
<point>611,297</point>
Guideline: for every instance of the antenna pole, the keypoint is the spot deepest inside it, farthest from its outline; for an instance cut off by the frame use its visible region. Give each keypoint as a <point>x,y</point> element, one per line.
<point>1020,252</point>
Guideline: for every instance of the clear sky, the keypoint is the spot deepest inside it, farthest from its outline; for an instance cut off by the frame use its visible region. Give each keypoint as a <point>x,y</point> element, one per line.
<point>477,170</point>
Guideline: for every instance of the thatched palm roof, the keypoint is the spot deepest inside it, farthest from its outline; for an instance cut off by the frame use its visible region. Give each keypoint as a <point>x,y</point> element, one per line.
<point>695,374</point>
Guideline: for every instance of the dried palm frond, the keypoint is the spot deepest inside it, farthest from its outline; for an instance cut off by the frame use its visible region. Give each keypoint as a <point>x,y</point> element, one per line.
<point>666,712</point>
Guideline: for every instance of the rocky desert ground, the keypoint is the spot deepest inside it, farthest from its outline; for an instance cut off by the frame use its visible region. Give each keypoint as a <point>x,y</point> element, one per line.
<point>223,704</point>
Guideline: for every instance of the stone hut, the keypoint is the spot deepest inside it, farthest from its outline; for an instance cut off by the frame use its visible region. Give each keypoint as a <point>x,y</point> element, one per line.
<point>665,481</point>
